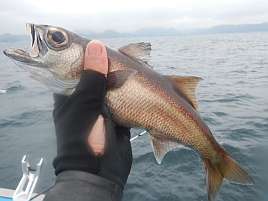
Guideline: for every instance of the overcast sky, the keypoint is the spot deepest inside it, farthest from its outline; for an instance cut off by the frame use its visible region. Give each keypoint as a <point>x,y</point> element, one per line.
<point>128,16</point>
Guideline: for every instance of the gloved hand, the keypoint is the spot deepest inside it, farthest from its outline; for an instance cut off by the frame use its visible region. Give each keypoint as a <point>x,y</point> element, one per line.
<point>83,144</point>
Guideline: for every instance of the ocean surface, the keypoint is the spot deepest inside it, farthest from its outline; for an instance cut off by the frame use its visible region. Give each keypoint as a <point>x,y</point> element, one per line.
<point>233,101</point>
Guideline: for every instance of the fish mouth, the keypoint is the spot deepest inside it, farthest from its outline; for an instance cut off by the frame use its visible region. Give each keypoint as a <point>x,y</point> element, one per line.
<point>32,57</point>
<point>32,60</point>
<point>38,44</point>
<point>34,50</point>
<point>30,28</point>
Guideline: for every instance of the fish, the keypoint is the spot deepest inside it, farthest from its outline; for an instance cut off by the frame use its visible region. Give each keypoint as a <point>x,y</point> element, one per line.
<point>137,96</point>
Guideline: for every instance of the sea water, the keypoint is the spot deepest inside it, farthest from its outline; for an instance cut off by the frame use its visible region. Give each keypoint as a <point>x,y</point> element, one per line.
<point>232,98</point>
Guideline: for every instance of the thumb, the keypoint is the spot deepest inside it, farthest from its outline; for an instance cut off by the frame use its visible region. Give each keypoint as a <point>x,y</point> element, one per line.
<point>96,57</point>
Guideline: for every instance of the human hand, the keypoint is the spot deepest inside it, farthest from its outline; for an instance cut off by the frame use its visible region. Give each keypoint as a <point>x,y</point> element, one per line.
<point>87,140</point>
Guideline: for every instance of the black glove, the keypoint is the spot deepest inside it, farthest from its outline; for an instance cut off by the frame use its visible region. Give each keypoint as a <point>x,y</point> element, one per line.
<point>74,117</point>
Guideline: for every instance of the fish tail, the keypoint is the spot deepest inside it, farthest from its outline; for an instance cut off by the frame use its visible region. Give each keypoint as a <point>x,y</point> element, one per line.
<point>227,168</point>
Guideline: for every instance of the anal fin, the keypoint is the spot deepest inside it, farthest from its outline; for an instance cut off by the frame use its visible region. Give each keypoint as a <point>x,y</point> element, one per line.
<point>162,144</point>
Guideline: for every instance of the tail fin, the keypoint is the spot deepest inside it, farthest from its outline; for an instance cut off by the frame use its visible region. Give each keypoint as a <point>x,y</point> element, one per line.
<point>227,168</point>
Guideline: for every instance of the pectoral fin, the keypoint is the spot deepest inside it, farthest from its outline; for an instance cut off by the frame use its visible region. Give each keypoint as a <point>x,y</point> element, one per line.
<point>161,145</point>
<point>187,85</point>
<point>117,78</point>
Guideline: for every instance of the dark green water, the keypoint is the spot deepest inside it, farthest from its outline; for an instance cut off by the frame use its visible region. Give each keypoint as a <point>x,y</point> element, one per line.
<point>233,101</point>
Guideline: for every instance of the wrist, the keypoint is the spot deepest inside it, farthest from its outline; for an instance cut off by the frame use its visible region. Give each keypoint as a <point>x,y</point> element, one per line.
<point>82,186</point>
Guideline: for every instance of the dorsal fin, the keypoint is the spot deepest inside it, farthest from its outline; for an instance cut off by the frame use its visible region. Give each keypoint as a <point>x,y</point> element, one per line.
<point>187,85</point>
<point>161,144</point>
<point>139,52</point>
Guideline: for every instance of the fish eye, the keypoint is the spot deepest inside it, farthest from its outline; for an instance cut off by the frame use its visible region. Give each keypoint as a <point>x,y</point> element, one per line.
<point>57,38</point>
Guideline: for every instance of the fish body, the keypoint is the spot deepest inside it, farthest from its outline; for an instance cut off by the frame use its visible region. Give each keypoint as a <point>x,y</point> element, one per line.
<point>137,96</point>
<point>160,107</point>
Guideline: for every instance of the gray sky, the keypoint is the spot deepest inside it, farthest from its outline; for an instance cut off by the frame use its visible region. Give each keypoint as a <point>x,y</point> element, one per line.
<point>128,16</point>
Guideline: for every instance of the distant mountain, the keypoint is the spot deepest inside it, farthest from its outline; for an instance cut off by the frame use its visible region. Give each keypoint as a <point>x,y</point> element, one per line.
<point>106,34</point>
<point>110,34</point>
<point>143,32</point>
<point>154,32</point>
<point>241,28</point>
<point>160,31</point>
<point>7,37</point>
<point>157,31</point>
<point>87,33</point>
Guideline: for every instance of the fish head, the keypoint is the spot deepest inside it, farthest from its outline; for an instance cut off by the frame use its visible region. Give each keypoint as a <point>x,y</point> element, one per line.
<point>55,57</point>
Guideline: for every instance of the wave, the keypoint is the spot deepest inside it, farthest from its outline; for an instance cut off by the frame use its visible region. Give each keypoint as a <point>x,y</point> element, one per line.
<point>12,87</point>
